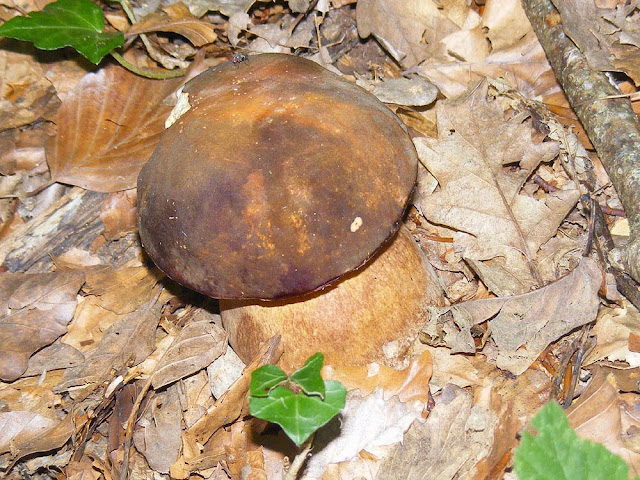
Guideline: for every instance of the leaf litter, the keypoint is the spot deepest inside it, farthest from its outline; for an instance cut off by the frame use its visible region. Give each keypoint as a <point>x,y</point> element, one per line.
<point>115,338</point>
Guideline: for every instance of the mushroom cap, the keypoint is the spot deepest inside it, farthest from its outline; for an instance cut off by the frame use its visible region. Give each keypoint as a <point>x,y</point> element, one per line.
<point>279,179</point>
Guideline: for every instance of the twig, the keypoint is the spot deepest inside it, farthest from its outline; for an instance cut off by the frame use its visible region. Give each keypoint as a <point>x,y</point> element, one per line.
<point>611,124</point>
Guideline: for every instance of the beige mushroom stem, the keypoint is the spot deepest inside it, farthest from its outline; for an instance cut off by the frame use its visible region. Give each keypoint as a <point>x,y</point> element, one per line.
<point>371,315</point>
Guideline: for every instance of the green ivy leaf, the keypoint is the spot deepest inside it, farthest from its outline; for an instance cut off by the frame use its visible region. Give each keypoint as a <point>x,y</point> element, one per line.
<point>263,379</point>
<point>557,452</point>
<point>299,414</point>
<point>66,23</point>
<point>308,377</point>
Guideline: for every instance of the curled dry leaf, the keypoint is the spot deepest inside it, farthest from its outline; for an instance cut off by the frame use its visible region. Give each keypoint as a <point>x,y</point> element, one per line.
<point>118,213</point>
<point>404,28</point>
<point>411,383</point>
<point>158,434</point>
<point>596,416</point>
<point>367,423</point>
<point>128,342</point>
<point>25,94</point>
<point>449,444</point>
<point>615,330</point>
<point>522,326</point>
<point>36,309</point>
<point>481,161</point>
<point>198,344</point>
<point>108,126</point>
<point>177,19</point>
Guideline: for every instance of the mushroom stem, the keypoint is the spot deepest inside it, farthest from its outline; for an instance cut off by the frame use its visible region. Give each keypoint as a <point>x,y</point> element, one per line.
<point>372,315</point>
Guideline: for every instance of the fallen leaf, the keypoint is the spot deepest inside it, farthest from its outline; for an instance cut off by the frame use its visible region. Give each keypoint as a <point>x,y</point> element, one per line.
<point>36,311</point>
<point>224,370</point>
<point>108,126</point>
<point>596,416</point>
<point>404,28</point>
<point>613,329</point>
<point>128,342</point>
<point>409,384</point>
<point>229,406</point>
<point>198,344</point>
<point>157,435</point>
<point>522,326</point>
<point>481,161</point>
<point>454,438</point>
<point>19,425</point>
<point>118,213</point>
<point>367,422</point>
<point>177,19</point>
<point>25,94</point>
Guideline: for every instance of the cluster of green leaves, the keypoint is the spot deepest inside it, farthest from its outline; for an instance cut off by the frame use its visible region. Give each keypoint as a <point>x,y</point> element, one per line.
<point>300,403</point>
<point>66,23</point>
<point>556,452</point>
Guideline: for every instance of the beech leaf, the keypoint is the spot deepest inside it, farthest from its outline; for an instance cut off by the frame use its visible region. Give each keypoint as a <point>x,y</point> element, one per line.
<point>108,126</point>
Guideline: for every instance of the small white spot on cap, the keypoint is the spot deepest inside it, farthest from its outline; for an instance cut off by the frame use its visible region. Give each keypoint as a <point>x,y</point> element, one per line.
<point>356,224</point>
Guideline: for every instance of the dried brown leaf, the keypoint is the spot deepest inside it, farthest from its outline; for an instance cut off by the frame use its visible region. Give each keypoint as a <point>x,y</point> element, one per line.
<point>596,416</point>
<point>367,426</point>
<point>404,28</point>
<point>177,19</point>
<point>118,213</point>
<point>481,161</point>
<point>128,342</point>
<point>411,383</point>
<point>25,94</point>
<point>613,331</point>
<point>522,326</point>
<point>198,344</point>
<point>36,309</point>
<point>157,435</point>
<point>229,406</point>
<point>453,439</point>
<point>122,290</point>
<point>108,126</point>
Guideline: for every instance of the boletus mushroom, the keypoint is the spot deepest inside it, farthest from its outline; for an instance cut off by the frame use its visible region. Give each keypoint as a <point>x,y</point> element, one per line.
<point>274,192</point>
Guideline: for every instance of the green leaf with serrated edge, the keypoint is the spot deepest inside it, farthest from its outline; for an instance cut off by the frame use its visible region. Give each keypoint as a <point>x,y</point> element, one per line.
<point>557,452</point>
<point>308,377</point>
<point>66,23</point>
<point>263,379</point>
<point>299,414</point>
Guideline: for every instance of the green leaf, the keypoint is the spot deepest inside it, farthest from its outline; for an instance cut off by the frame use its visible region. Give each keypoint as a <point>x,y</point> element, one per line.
<point>66,23</point>
<point>557,452</point>
<point>299,415</point>
<point>308,377</point>
<point>263,379</point>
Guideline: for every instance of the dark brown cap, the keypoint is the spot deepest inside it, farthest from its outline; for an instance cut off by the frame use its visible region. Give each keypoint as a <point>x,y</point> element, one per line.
<point>279,179</point>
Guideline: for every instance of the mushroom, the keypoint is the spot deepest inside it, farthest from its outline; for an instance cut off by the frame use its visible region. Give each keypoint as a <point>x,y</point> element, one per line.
<point>279,179</point>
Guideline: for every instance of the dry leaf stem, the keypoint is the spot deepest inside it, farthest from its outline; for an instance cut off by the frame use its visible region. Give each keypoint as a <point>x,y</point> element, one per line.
<point>611,124</point>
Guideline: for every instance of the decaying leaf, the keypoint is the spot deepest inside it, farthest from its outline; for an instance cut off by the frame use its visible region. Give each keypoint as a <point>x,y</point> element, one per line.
<point>596,416</point>
<point>198,344</point>
<point>128,342</point>
<point>36,309</point>
<point>158,436</point>
<point>177,19</point>
<point>108,126</point>
<point>411,383</point>
<point>367,423</point>
<point>25,94</point>
<point>481,161</point>
<point>118,213</point>
<point>455,436</point>
<point>404,28</point>
<point>614,331</point>
<point>523,325</point>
